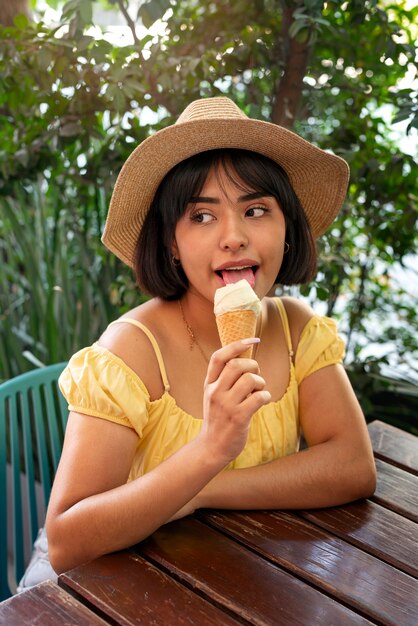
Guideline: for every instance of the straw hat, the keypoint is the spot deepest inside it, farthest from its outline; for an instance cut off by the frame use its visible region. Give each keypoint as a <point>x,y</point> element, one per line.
<point>318,178</point>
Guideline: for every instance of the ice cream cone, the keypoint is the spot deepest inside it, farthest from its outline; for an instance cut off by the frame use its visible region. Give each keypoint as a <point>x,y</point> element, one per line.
<point>237,325</point>
<point>236,308</point>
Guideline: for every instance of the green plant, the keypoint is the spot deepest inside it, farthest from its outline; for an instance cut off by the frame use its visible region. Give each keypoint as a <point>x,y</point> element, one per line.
<point>387,398</point>
<point>62,142</point>
<point>72,107</point>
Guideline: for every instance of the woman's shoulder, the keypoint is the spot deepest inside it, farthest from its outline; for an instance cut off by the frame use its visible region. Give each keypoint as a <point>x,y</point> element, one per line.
<point>298,314</point>
<point>134,339</point>
<point>298,311</point>
<point>119,333</point>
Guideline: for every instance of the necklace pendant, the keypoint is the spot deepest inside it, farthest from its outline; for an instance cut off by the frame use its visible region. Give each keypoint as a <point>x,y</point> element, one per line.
<point>192,336</point>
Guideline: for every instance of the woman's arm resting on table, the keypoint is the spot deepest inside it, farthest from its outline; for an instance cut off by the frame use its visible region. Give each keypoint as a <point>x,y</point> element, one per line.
<point>337,467</point>
<point>94,511</point>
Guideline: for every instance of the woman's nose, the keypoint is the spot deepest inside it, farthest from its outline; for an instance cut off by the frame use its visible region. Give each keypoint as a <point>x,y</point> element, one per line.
<point>233,236</point>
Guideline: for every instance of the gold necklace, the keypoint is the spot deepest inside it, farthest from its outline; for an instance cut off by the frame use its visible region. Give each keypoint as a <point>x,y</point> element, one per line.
<point>194,340</point>
<point>191,333</point>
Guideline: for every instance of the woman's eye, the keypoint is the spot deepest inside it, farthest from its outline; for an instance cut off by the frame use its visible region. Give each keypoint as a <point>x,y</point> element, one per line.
<point>201,218</point>
<point>256,211</point>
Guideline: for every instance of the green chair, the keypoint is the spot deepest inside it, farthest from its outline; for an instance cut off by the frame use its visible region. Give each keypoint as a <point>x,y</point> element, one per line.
<point>33,415</point>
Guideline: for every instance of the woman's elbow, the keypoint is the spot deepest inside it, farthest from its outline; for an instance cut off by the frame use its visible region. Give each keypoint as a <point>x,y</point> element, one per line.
<point>62,553</point>
<point>371,482</point>
<point>56,559</point>
<point>56,549</point>
<point>62,558</point>
<point>366,479</point>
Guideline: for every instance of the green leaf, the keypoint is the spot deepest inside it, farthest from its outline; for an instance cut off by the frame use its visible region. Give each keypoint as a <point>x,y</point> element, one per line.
<point>45,58</point>
<point>71,7</point>
<point>52,3</point>
<point>84,41</point>
<point>70,129</point>
<point>322,293</point>
<point>151,11</point>
<point>21,21</point>
<point>296,27</point>
<point>400,116</point>
<point>61,63</point>
<point>86,11</point>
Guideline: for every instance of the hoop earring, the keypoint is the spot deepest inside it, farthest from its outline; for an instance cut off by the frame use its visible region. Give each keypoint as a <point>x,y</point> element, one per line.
<point>176,262</point>
<point>286,247</point>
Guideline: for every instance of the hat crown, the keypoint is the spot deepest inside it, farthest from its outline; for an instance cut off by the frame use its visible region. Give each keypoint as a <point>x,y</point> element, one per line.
<point>211,108</point>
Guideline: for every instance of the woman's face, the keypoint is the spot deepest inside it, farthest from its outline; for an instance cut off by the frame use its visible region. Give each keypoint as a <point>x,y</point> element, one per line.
<point>227,234</point>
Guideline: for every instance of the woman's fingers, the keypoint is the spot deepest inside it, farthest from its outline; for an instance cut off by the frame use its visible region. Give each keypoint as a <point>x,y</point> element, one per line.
<point>246,384</point>
<point>234,370</point>
<point>233,400</point>
<point>225,355</point>
<point>255,401</point>
<point>231,379</point>
<point>234,391</point>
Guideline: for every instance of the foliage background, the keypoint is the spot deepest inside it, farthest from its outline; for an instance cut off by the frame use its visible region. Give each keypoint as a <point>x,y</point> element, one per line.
<point>73,106</point>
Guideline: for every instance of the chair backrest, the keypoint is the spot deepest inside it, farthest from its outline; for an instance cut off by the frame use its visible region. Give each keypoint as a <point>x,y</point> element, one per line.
<point>33,415</point>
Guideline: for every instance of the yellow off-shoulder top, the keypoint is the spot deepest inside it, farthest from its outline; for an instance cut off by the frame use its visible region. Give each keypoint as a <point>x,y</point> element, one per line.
<point>98,383</point>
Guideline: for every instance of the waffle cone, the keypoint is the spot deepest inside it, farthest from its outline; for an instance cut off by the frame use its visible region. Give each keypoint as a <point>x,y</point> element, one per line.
<point>236,325</point>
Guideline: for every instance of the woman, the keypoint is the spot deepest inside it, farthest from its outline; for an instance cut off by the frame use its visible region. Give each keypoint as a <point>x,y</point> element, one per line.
<point>163,420</point>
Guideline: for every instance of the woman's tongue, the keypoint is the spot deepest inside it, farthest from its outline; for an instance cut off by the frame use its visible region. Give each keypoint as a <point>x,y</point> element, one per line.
<point>233,276</point>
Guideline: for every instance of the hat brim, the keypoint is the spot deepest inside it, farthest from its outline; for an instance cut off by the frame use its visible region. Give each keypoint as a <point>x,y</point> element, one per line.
<point>319,178</point>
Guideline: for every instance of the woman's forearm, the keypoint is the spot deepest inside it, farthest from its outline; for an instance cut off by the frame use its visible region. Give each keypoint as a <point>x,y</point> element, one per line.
<point>122,516</point>
<point>324,475</point>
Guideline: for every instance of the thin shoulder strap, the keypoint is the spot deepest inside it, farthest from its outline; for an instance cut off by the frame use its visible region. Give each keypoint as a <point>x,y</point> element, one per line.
<point>285,323</point>
<point>129,320</point>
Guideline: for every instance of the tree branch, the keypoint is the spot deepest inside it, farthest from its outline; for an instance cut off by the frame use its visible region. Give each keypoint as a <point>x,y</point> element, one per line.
<point>288,90</point>
<point>10,9</point>
<point>128,19</point>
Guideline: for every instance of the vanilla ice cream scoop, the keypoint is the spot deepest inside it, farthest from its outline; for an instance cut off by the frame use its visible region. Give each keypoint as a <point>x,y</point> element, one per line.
<point>236,309</point>
<point>236,296</point>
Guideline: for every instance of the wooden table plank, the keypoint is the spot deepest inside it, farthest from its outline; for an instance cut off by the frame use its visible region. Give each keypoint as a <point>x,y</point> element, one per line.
<point>352,576</point>
<point>394,445</point>
<point>396,490</point>
<point>371,527</point>
<point>129,590</point>
<point>46,605</point>
<point>235,578</point>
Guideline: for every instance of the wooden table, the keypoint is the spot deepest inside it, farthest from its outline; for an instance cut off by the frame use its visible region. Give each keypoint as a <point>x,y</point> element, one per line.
<point>355,564</point>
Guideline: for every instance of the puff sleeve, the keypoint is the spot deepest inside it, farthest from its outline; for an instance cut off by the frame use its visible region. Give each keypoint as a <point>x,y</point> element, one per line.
<point>319,346</point>
<point>96,382</point>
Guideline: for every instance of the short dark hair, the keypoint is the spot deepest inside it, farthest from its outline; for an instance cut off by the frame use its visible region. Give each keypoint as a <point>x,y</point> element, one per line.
<point>155,272</point>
